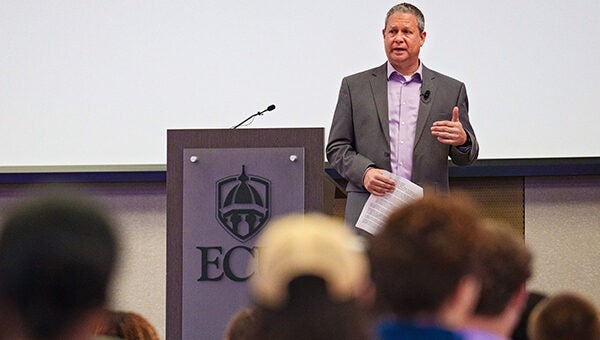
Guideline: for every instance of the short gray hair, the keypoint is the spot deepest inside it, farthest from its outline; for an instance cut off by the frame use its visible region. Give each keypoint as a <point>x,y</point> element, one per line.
<point>407,8</point>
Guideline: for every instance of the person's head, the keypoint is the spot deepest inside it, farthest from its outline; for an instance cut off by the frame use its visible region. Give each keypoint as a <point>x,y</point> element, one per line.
<point>126,325</point>
<point>424,260</point>
<point>564,316</point>
<point>57,254</point>
<point>242,325</point>
<point>403,35</point>
<point>506,266</point>
<point>309,272</point>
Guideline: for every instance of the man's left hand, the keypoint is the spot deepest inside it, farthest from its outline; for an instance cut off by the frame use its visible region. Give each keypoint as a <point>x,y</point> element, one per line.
<point>450,132</point>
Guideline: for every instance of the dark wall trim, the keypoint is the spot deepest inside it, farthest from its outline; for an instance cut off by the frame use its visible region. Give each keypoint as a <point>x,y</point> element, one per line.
<point>529,167</point>
<point>518,168</point>
<point>84,177</point>
<point>482,168</point>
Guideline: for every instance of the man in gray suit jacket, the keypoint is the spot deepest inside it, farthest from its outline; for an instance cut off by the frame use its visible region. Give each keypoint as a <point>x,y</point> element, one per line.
<point>401,117</point>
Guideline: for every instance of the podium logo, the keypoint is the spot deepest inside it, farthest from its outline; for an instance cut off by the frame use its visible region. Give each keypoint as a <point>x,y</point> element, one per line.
<point>243,203</point>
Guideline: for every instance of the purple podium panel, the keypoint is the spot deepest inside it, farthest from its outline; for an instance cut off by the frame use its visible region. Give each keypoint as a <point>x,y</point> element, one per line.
<point>229,197</point>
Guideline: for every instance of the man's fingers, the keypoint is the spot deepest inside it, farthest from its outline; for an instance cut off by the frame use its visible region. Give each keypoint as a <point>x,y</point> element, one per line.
<point>447,123</point>
<point>387,180</point>
<point>455,114</point>
<point>384,184</point>
<point>377,183</point>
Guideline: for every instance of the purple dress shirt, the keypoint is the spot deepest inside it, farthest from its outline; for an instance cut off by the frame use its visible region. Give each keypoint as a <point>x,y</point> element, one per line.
<point>404,93</point>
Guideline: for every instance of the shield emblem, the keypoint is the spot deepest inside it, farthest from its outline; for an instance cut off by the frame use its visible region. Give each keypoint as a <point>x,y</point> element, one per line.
<point>243,203</point>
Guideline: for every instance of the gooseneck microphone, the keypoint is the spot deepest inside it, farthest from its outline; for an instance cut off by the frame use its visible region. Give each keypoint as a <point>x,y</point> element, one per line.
<point>259,113</point>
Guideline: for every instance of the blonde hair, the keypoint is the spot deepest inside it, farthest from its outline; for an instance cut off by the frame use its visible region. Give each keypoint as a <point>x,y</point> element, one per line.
<point>311,244</point>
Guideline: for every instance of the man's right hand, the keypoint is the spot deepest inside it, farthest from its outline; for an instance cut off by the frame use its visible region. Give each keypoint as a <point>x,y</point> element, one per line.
<point>377,183</point>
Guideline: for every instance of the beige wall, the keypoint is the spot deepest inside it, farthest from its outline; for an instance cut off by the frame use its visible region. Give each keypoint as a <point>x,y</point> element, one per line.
<point>562,227</point>
<point>140,283</point>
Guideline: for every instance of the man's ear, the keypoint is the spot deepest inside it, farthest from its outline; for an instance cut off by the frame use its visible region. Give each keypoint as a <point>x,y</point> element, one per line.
<point>423,36</point>
<point>519,299</point>
<point>456,310</point>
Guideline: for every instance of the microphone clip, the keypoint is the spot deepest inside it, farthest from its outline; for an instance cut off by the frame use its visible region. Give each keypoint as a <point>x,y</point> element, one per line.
<point>426,96</point>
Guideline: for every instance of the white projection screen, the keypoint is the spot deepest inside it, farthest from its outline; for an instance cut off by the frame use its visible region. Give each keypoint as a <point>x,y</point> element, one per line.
<point>99,82</point>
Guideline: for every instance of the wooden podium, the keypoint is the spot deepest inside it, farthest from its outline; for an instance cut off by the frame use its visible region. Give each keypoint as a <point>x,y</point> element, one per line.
<point>223,187</point>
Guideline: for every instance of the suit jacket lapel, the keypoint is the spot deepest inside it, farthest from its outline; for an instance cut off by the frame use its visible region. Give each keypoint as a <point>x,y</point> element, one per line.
<point>425,104</point>
<point>379,88</point>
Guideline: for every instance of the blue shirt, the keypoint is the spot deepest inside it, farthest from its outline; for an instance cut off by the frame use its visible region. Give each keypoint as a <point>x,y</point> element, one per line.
<point>391,330</point>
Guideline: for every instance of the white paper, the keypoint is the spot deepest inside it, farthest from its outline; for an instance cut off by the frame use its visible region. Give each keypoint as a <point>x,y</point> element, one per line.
<point>378,208</point>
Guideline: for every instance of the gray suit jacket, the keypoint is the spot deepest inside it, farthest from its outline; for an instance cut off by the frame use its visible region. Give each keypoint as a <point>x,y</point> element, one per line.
<point>359,136</point>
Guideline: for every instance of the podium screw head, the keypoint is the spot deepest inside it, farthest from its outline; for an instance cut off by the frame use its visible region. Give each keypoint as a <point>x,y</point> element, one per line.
<point>293,158</point>
<point>193,159</point>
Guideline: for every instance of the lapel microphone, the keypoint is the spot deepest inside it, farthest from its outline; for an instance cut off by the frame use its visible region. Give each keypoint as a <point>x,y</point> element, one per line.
<point>425,96</point>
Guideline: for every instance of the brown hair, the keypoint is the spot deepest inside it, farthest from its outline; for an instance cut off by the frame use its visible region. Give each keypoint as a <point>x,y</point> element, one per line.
<point>506,266</point>
<point>422,253</point>
<point>564,316</point>
<point>50,244</point>
<point>127,325</point>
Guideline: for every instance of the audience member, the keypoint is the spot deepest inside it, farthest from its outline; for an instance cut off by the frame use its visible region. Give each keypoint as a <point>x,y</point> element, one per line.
<point>425,268</point>
<point>126,325</point>
<point>310,273</point>
<point>57,255</point>
<point>533,298</point>
<point>564,316</point>
<point>506,266</point>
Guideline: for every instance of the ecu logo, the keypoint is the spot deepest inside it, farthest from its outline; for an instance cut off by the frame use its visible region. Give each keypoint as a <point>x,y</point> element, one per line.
<point>243,204</point>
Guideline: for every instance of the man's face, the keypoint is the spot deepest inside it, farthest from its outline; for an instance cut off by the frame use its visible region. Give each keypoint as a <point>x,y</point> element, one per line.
<point>402,41</point>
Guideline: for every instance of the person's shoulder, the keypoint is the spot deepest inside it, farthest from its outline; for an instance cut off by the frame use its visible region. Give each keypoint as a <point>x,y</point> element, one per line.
<point>438,76</point>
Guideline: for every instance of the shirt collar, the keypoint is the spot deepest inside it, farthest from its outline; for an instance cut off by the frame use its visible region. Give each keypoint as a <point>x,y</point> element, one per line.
<point>391,71</point>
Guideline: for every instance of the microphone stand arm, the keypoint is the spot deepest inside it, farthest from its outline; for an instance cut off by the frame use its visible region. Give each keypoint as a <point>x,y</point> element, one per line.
<point>259,113</point>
